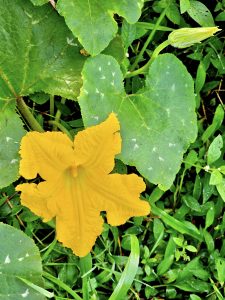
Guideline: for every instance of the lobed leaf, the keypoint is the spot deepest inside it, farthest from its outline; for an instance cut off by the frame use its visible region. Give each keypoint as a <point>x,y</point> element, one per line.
<point>24,263</point>
<point>11,132</point>
<point>42,54</point>
<point>92,20</point>
<point>157,124</point>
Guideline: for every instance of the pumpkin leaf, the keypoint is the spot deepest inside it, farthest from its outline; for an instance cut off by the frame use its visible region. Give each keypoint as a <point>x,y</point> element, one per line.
<point>24,263</point>
<point>11,132</point>
<point>79,173</point>
<point>42,54</point>
<point>157,124</point>
<point>87,18</point>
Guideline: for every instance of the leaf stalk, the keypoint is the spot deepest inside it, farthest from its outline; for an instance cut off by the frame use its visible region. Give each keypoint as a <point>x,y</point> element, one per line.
<point>155,53</point>
<point>149,39</point>
<point>28,116</point>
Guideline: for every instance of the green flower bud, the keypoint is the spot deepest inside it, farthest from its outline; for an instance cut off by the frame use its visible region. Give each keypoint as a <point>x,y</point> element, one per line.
<point>185,37</point>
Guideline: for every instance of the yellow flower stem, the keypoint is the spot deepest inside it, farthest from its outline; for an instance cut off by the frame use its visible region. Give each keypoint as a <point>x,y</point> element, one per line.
<point>28,116</point>
<point>149,39</point>
<point>61,127</point>
<point>58,115</point>
<point>144,69</point>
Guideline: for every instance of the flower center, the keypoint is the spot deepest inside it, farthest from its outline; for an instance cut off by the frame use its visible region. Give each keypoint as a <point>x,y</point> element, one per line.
<point>73,171</point>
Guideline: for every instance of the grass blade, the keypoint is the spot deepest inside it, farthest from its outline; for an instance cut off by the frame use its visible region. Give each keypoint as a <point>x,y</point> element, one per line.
<point>129,272</point>
<point>85,267</point>
<point>175,224</point>
<point>62,285</point>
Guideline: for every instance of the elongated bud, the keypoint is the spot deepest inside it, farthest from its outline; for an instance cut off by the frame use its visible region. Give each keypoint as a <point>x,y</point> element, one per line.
<point>186,37</point>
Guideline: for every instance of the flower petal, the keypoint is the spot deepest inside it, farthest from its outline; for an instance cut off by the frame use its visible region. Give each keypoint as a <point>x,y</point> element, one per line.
<point>45,153</point>
<point>79,223</point>
<point>78,220</point>
<point>33,196</point>
<point>124,201</point>
<point>119,195</point>
<point>96,146</point>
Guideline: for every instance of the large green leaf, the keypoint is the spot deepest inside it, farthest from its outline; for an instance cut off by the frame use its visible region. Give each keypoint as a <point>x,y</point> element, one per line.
<point>92,20</point>
<point>157,125</point>
<point>19,257</point>
<point>42,54</point>
<point>37,52</point>
<point>11,132</point>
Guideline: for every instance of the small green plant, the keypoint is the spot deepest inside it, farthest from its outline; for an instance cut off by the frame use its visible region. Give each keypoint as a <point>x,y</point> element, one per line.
<point>183,247</point>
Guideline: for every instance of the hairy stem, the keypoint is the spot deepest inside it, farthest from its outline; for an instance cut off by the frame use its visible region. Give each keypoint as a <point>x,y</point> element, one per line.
<point>61,127</point>
<point>149,39</point>
<point>58,115</point>
<point>143,69</point>
<point>28,116</point>
<point>52,105</point>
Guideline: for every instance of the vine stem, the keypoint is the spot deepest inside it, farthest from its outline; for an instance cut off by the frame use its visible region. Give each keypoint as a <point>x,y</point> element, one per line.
<point>52,105</point>
<point>149,39</point>
<point>155,53</point>
<point>58,115</point>
<point>28,116</point>
<point>61,127</point>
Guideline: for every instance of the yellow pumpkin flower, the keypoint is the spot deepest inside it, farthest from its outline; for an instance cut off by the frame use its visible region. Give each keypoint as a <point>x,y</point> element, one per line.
<point>77,185</point>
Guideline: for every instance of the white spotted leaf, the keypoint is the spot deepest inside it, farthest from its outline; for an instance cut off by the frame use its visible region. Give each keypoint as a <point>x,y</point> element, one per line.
<point>22,261</point>
<point>42,53</point>
<point>11,132</point>
<point>157,124</point>
<point>92,21</point>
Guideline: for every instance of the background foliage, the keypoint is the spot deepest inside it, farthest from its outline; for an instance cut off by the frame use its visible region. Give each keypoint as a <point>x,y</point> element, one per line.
<point>178,252</point>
